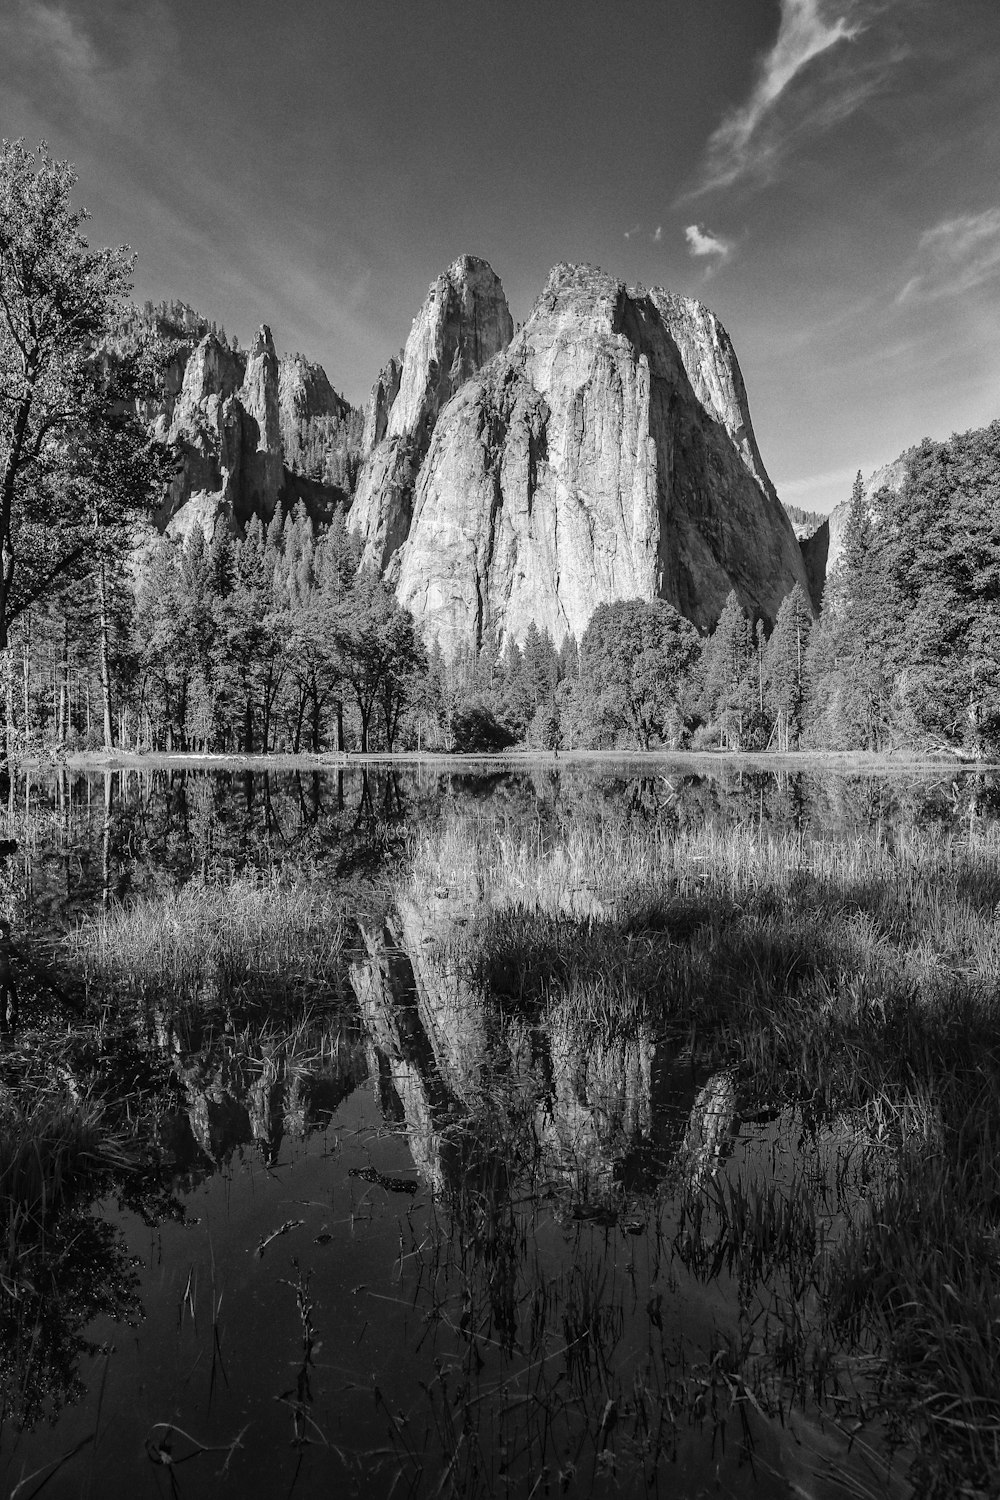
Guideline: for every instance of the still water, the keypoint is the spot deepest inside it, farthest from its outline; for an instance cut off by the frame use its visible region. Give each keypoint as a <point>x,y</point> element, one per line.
<point>380,1232</point>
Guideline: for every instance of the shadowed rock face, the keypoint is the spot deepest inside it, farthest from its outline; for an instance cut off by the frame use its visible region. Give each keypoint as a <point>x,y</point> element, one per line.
<point>384,393</point>
<point>581,467</point>
<point>262,467</point>
<point>463,323</point>
<point>226,427</point>
<point>714,372</point>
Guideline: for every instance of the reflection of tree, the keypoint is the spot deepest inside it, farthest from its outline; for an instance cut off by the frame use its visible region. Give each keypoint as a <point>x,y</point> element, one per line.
<point>79,1271</point>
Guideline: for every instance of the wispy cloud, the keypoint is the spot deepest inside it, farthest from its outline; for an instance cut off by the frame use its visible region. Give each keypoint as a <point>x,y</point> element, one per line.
<point>703,242</point>
<point>954,257</point>
<point>750,138</point>
<point>91,61</point>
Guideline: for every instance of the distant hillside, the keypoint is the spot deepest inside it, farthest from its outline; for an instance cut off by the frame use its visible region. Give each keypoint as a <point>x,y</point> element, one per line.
<point>804,522</point>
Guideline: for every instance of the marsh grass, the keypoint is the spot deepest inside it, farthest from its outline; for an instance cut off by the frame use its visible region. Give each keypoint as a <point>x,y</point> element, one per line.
<point>219,939</point>
<point>852,987</point>
<point>50,1145</point>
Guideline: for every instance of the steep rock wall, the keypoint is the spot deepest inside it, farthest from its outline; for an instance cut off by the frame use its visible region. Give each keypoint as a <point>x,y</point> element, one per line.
<point>233,420</point>
<point>304,392</point>
<point>463,323</point>
<point>581,467</point>
<point>714,372</point>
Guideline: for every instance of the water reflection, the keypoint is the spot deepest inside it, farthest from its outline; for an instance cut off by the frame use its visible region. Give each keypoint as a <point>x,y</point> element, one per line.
<point>580,1112</point>
<point>550,1146</point>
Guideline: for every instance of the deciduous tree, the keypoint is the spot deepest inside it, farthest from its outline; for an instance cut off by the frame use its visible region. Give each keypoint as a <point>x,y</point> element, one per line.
<point>75,460</point>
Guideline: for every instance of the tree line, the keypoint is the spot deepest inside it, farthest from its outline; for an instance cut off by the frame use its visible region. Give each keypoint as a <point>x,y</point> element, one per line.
<point>275,641</point>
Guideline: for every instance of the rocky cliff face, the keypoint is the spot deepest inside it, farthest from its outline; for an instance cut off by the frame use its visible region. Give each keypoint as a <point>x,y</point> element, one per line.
<point>262,466</point>
<point>581,465</point>
<point>237,423</point>
<point>714,372</point>
<point>463,323</point>
<point>384,393</point>
<point>304,393</point>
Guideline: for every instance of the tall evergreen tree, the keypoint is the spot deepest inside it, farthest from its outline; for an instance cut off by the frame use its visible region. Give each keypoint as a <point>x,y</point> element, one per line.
<point>729,687</point>
<point>785,666</point>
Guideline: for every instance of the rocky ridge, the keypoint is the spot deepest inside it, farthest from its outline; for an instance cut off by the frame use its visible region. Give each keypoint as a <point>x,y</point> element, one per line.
<point>605,452</point>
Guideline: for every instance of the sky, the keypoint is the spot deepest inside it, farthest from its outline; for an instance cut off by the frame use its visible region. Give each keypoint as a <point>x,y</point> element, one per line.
<point>821,173</point>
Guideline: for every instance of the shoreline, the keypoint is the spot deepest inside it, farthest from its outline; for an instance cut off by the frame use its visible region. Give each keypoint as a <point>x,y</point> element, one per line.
<point>860,761</point>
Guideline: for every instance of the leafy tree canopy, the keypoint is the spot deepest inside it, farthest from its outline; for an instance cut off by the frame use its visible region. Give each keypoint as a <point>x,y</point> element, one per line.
<point>634,657</point>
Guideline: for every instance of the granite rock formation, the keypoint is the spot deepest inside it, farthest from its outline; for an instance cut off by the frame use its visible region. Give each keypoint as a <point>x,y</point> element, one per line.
<point>304,392</point>
<point>463,323</point>
<point>384,393</point>
<point>262,466</point>
<point>580,465</point>
<point>236,423</point>
<point>822,551</point>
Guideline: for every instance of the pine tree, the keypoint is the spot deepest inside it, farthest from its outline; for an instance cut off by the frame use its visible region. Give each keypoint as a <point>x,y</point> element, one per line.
<point>785,667</point>
<point>729,688</point>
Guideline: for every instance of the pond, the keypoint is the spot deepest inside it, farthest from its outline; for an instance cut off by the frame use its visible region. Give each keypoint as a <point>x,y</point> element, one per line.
<point>531,1132</point>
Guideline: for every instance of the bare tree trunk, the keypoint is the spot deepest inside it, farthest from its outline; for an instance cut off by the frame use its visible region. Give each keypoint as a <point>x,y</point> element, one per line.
<point>105,657</point>
<point>26,673</point>
<point>64,686</point>
<point>10,739</point>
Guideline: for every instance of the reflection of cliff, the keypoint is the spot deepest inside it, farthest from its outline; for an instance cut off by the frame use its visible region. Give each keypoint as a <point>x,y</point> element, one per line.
<point>589,1111</point>
<point>251,1088</point>
<point>408,1072</point>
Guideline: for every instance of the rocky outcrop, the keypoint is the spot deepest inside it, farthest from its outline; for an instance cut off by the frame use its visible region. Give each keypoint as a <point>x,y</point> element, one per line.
<point>384,393</point>
<point>581,466</point>
<point>202,424</point>
<point>823,551</point>
<point>237,424</point>
<point>262,465</point>
<point>304,393</point>
<point>463,323</point>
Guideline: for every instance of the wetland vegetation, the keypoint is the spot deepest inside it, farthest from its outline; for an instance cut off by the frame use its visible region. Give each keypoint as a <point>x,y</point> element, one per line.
<point>580,1132</point>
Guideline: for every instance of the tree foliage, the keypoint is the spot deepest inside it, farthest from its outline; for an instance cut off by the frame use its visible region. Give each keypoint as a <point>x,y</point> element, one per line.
<point>634,658</point>
<point>75,458</point>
